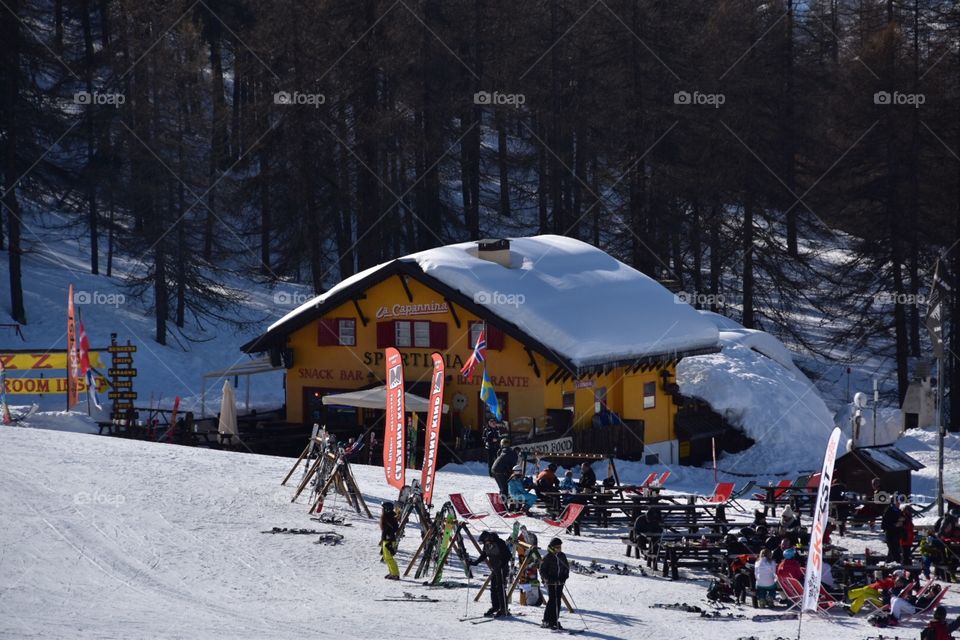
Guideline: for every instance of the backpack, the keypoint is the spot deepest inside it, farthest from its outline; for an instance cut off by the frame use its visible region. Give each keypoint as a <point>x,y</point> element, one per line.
<point>718,591</point>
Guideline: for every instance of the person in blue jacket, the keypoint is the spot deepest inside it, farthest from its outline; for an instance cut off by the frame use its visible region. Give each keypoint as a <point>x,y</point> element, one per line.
<point>519,496</point>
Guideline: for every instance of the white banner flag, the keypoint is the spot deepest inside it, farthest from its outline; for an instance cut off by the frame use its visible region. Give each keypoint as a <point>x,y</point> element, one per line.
<point>811,582</point>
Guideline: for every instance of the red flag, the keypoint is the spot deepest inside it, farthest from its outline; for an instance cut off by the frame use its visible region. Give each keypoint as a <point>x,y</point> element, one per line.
<point>73,362</point>
<point>395,436</point>
<point>479,355</point>
<point>431,441</point>
<point>84,351</point>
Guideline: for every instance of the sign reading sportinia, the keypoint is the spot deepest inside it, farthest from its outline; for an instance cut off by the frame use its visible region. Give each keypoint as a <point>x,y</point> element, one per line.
<point>395,437</point>
<point>432,441</point>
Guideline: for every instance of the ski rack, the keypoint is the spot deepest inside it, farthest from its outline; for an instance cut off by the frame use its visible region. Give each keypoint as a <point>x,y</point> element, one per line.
<point>431,546</point>
<point>308,453</point>
<point>323,464</point>
<point>342,479</point>
<point>409,502</point>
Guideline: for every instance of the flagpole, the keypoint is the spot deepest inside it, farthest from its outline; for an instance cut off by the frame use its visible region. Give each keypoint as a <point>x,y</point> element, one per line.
<point>940,435</point>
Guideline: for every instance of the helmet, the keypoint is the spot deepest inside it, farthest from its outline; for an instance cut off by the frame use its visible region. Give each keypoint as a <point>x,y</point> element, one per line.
<point>387,506</point>
<point>940,613</point>
<point>555,542</point>
<point>789,554</point>
<point>504,442</point>
<point>484,535</point>
<point>517,469</point>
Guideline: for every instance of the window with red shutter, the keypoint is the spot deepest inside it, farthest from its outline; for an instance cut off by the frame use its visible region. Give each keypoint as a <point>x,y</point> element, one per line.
<point>438,335</point>
<point>385,334</point>
<point>494,338</point>
<point>328,332</point>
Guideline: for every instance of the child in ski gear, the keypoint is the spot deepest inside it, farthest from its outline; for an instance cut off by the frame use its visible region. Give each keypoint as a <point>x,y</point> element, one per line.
<point>939,628</point>
<point>567,483</point>
<point>554,571</point>
<point>528,553</point>
<point>765,572</point>
<point>519,497</point>
<point>931,550</point>
<point>547,480</point>
<point>497,555</point>
<point>389,526</point>
<point>503,466</point>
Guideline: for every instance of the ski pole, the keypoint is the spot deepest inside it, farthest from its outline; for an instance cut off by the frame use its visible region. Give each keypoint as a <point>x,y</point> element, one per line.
<point>575,606</point>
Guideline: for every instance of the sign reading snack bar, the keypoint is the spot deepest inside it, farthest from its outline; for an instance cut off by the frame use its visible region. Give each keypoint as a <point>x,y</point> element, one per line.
<point>549,447</point>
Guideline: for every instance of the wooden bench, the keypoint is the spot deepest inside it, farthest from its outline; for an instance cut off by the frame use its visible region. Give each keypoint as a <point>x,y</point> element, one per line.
<point>710,557</point>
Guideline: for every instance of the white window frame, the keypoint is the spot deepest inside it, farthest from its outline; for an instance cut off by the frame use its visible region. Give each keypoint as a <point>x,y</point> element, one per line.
<point>419,340</point>
<point>475,329</point>
<point>402,333</point>
<point>347,332</point>
<point>650,402</point>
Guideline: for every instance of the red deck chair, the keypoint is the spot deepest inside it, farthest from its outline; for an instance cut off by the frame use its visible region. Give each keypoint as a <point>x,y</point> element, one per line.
<point>792,588</point>
<point>646,483</point>
<point>782,486</point>
<point>568,517</point>
<point>721,494</point>
<point>663,479</point>
<point>930,607</point>
<point>463,510</point>
<point>501,509</point>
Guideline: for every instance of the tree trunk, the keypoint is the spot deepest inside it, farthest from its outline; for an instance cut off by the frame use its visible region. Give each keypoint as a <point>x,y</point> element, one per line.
<point>11,165</point>
<point>503,165</point>
<point>92,174</point>
<point>789,138</point>
<point>748,282</point>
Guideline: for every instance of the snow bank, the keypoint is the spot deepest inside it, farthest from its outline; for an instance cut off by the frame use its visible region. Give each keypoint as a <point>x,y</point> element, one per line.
<point>754,384</point>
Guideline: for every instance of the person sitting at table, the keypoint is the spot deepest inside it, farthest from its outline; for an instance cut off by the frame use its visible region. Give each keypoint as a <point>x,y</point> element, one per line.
<point>790,566</point>
<point>789,525</point>
<point>567,484</point>
<point>759,518</point>
<point>519,497</point>
<point>588,479</point>
<point>873,592</point>
<point>647,530</point>
<point>546,481</point>
<point>946,527</point>
<point>785,543</point>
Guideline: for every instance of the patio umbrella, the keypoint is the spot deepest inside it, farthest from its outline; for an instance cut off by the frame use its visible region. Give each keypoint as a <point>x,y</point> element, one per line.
<point>228,411</point>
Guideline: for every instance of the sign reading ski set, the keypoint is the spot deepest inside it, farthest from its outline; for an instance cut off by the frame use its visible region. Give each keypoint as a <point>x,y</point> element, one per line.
<point>811,584</point>
<point>394,439</point>
<point>432,439</point>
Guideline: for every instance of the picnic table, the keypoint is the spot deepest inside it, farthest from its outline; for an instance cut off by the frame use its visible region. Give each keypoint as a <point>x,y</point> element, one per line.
<point>711,556</point>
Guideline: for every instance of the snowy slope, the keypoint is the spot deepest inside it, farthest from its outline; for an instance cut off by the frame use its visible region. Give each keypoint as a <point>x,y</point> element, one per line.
<point>112,538</point>
<point>105,305</point>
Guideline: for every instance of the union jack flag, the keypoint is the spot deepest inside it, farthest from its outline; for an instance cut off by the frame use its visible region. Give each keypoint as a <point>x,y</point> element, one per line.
<point>479,355</point>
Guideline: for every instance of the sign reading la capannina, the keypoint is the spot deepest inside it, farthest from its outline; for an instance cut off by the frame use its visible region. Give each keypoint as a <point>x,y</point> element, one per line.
<point>405,310</point>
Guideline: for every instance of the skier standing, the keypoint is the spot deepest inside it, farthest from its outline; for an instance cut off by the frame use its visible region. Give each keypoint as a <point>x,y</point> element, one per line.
<point>389,527</point>
<point>497,555</point>
<point>554,571</point>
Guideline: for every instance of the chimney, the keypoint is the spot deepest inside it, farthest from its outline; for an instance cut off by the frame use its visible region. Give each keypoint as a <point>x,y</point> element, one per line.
<point>495,250</point>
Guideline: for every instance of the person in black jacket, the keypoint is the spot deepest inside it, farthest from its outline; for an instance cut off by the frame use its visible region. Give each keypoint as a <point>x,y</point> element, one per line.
<point>497,554</point>
<point>554,571</point>
<point>503,466</point>
<point>588,479</point>
<point>389,527</point>
<point>891,525</point>
<point>648,529</point>
<point>491,440</point>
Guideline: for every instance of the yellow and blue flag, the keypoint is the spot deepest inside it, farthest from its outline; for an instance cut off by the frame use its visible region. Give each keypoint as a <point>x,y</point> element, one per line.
<point>488,395</point>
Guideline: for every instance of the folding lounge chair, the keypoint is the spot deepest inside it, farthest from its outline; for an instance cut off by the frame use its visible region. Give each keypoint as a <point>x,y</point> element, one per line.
<point>737,495</point>
<point>782,486</point>
<point>793,590</point>
<point>663,479</point>
<point>721,494</point>
<point>501,509</point>
<point>568,517</point>
<point>463,510</point>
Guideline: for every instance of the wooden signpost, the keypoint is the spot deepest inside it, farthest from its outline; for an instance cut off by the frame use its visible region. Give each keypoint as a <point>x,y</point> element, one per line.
<point>121,374</point>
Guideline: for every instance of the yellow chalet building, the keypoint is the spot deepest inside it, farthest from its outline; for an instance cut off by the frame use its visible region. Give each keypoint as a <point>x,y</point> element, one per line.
<point>575,338</point>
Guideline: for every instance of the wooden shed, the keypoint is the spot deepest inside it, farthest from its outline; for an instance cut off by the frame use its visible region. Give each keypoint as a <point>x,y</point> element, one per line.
<point>858,467</point>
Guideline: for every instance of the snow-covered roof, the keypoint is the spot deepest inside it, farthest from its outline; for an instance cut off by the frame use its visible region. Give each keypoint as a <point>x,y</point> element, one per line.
<point>580,305</point>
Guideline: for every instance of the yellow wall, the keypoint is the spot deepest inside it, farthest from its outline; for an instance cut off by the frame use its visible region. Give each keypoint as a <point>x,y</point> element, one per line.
<point>348,368</point>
